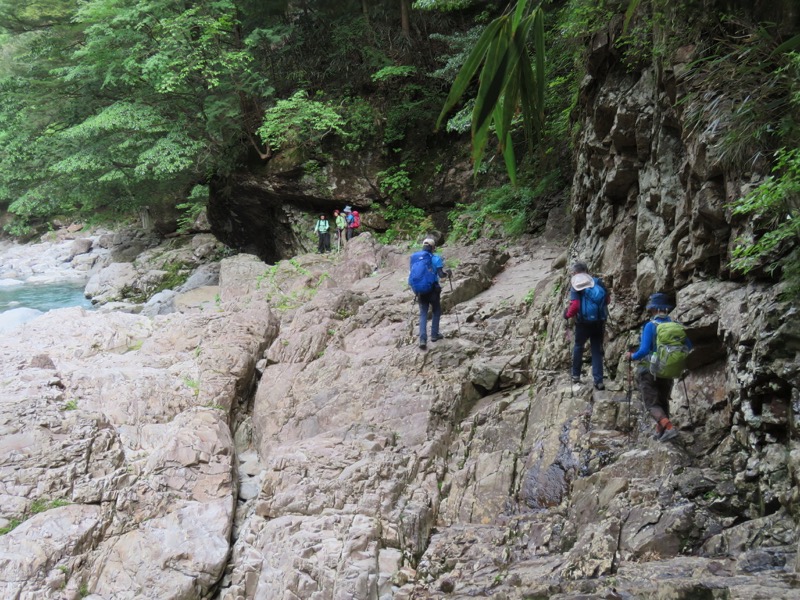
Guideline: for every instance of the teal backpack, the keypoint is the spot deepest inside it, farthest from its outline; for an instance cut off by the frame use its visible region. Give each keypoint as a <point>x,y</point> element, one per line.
<point>668,361</point>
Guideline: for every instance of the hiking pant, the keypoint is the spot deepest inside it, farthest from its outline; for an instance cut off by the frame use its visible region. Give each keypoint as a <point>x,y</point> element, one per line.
<point>655,393</point>
<point>324,244</point>
<point>348,233</point>
<point>594,333</point>
<point>432,300</point>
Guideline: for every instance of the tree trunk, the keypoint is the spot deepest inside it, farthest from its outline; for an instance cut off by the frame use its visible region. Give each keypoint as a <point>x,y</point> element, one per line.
<point>405,17</point>
<point>365,11</point>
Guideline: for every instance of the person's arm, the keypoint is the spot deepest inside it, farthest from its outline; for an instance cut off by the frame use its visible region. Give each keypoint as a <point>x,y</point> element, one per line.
<point>574,306</point>
<point>438,266</point>
<point>646,344</point>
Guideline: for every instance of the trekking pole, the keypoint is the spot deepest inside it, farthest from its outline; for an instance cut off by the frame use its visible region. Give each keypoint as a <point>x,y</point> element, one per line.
<point>455,312</point>
<point>630,398</point>
<point>686,395</point>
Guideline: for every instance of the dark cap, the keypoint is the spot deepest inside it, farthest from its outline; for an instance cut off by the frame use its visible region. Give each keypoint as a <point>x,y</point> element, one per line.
<point>659,301</point>
<point>579,267</point>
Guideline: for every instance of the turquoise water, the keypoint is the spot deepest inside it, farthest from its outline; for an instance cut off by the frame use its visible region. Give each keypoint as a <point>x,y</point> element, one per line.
<point>42,296</point>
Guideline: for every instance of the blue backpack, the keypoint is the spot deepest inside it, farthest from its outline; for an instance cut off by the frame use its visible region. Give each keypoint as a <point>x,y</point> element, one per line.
<point>593,304</point>
<point>422,275</point>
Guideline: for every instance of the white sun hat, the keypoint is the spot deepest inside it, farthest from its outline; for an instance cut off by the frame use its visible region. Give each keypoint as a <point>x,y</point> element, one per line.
<point>582,281</point>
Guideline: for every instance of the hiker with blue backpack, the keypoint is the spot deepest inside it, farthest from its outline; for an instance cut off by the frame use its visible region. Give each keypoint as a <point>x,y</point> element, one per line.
<point>425,268</point>
<point>587,303</point>
<point>662,353</point>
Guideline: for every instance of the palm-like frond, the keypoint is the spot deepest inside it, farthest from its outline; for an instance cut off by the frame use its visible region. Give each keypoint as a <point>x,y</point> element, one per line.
<point>508,82</point>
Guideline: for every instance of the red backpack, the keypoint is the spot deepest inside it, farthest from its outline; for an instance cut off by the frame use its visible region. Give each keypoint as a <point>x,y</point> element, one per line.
<point>356,219</point>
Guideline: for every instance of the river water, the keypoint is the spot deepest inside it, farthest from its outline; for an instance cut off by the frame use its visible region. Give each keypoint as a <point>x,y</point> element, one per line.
<point>42,296</point>
<point>20,303</point>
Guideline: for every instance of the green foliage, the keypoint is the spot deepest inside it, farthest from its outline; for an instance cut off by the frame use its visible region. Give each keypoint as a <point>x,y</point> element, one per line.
<point>12,524</point>
<point>176,275</point>
<point>508,81</point>
<point>508,207</point>
<point>442,4</point>
<point>392,71</point>
<point>192,208</point>
<point>120,103</point>
<point>40,505</point>
<point>774,207</point>
<point>71,405</point>
<point>405,222</point>
<point>395,182</point>
<point>300,121</point>
<point>530,297</point>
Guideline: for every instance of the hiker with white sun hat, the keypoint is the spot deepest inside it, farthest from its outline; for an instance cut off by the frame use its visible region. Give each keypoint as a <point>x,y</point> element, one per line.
<point>587,303</point>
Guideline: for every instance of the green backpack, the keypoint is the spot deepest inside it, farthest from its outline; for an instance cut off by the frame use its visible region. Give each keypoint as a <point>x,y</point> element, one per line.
<point>669,359</point>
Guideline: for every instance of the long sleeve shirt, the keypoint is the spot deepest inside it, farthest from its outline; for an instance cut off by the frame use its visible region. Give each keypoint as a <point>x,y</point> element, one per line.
<point>322,226</point>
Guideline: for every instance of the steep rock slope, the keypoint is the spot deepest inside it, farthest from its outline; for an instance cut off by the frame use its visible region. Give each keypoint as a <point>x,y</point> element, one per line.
<point>474,469</point>
<point>140,463</point>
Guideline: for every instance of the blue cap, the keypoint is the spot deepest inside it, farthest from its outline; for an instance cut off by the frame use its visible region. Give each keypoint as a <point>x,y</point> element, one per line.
<point>659,301</point>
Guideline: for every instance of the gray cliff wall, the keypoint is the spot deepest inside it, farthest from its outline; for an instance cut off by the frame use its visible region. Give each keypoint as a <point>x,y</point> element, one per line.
<point>650,214</point>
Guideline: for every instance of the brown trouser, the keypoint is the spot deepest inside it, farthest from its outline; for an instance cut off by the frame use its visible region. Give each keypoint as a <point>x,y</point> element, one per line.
<point>655,393</point>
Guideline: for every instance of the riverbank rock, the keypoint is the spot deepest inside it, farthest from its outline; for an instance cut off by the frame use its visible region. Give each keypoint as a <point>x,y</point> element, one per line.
<point>116,457</point>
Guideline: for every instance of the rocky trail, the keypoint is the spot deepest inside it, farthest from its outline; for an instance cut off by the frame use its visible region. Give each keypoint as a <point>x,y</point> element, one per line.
<point>291,441</point>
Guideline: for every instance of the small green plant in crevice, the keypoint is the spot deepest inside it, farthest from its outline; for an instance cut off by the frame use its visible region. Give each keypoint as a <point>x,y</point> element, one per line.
<point>192,384</point>
<point>298,267</point>
<point>83,591</point>
<point>135,345</point>
<point>176,275</point>
<point>71,405</point>
<point>530,297</point>
<point>12,524</point>
<point>40,505</point>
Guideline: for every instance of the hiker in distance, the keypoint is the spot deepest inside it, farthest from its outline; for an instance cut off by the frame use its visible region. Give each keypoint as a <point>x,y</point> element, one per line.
<point>348,218</point>
<point>587,303</point>
<point>662,351</point>
<point>322,228</point>
<point>341,225</point>
<point>423,277</point>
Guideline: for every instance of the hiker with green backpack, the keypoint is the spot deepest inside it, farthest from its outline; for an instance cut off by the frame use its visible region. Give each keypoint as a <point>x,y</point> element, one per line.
<point>662,354</point>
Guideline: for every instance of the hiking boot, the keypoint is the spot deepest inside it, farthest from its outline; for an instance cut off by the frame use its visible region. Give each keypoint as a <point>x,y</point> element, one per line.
<point>423,344</point>
<point>437,337</point>
<point>669,434</point>
<point>599,386</point>
<point>576,379</point>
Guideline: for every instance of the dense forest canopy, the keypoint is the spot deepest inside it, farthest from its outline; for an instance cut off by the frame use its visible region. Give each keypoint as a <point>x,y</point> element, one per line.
<point>117,104</point>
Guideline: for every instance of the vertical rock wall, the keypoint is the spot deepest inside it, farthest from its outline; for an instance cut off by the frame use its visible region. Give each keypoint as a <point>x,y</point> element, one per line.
<point>650,206</point>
